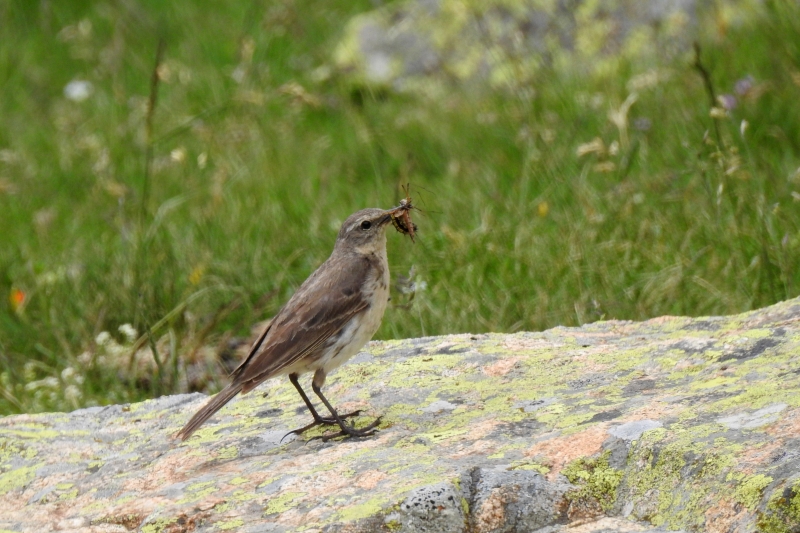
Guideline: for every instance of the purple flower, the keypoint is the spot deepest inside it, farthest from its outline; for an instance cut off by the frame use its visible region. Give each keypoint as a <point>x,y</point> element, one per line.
<point>744,85</point>
<point>642,124</point>
<point>727,101</point>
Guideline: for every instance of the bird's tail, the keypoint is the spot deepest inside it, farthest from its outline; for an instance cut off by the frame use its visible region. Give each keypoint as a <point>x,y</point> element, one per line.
<point>208,410</point>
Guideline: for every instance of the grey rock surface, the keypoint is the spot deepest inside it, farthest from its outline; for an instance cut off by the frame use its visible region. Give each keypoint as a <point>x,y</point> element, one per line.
<point>429,45</point>
<point>676,423</point>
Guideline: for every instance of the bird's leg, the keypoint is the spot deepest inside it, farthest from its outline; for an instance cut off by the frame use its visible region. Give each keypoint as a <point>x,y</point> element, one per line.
<point>318,420</point>
<point>346,429</point>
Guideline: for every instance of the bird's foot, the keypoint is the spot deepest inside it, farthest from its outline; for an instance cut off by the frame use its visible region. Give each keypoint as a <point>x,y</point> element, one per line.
<point>322,421</point>
<point>330,421</point>
<point>350,431</point>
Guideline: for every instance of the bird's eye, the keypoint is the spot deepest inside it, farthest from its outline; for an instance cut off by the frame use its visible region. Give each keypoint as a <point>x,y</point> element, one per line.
<point>366,225</point>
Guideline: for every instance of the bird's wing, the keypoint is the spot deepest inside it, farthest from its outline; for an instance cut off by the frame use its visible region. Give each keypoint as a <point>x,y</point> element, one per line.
<point>319,310</point>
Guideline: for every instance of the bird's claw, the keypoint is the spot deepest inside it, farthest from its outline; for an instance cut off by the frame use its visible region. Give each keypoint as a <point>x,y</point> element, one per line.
<point>328,421</point>
<point>350,431</point>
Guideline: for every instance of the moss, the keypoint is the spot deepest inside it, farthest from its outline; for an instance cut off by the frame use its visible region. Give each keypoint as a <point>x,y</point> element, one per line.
<point>200,485</point>
<point>229,452</point>
<point>282,502</point>
<point>716,463</point>
<point>437,436</point>
<point>551,413</point>
<point>749,492</point>
<point>130,521</point>
<point>70,495</point>
<point>125,499</point>
<point>714,382</point>
<point>762,333</point>
<point>595,478</point>
<point>267,482</point>
<point>782,513</point>
<point>223,507</point>
<point>158,525</point>
<point>206,435</point>
<point>530,465</point>
<point>755,396</point>
<point>361,510</point>
<point>393,525</point>
<point>243,496</point>
<point>656,479</point>
<point>40,434</point>
<point>198,491</point>
<point>230,524</point>
<point>13,448</point>
<point>18,478</point>
<point>199,495</point>
<point>675,474</point>
<point>624,360</point>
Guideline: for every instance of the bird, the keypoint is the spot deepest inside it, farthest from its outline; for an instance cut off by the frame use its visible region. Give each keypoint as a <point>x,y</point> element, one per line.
<point>330,317</point>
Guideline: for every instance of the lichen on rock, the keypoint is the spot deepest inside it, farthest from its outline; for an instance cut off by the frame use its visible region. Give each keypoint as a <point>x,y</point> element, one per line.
<point>427,46</point>
<point>683,423</point>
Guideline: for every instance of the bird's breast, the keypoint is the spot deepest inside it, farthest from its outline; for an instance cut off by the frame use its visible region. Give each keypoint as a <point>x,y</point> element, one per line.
<point>360,329</point>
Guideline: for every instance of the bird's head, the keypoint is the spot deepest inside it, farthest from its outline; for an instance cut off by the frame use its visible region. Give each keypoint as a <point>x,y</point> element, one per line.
<point>364,231</point>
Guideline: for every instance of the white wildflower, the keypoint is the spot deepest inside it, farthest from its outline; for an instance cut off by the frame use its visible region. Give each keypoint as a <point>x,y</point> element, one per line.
<point>178,154</point>
<point>129,332</point>
<point>72,394</point>
<point>78,90</point>
<point>29,371</point>
<point>103,338</point>
<point>46,383</point>
<point>595,146</point>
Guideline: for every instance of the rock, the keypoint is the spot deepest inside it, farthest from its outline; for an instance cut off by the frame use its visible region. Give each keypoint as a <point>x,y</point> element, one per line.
<point>429,45</point>
<point>673,423</point>
<point>631,431</point>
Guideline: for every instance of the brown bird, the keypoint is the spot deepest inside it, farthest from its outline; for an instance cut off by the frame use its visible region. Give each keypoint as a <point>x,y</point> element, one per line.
<point>327,321</point>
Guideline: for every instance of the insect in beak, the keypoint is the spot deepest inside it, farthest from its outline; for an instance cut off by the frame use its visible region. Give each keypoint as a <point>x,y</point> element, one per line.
<point>401,217</point>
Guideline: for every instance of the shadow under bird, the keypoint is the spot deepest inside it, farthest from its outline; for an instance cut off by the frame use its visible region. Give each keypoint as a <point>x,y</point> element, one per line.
<point>328,320</point>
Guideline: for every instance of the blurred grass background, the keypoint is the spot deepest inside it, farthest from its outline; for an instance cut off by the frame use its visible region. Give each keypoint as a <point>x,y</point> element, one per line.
<point>541,210</point>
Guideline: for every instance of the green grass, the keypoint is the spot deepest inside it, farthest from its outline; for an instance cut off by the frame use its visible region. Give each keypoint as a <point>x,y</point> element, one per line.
<point>249,180</point>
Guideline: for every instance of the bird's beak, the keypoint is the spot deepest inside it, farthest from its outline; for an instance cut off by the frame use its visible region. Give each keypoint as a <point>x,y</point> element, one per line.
<point>389,213</point>
<point>385,218</point>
